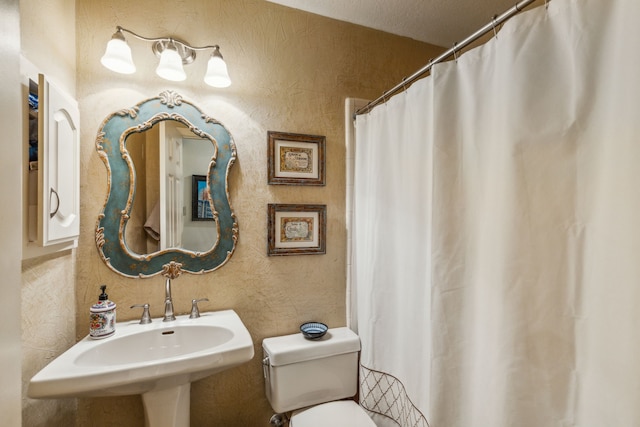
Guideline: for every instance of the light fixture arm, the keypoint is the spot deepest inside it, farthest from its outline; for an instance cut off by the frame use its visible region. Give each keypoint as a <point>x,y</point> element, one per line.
<point>165,40</point>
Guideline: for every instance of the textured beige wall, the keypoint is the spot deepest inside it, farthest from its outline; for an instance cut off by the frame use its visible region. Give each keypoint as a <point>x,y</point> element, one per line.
<point>48,37</point>
<point>48,329</point>
<point>291,72</point>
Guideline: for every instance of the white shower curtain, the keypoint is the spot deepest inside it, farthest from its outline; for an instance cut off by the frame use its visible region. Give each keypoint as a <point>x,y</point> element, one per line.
<point>496,230</point>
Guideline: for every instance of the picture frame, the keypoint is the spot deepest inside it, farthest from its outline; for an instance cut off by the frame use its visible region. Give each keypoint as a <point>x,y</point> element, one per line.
<point>297,229</point>
<point>296,159</point>
<point>200,201</point>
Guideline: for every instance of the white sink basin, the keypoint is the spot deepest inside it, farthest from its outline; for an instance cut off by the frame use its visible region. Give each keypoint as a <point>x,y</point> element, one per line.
<point>158,360</point>
<point>158,343</point>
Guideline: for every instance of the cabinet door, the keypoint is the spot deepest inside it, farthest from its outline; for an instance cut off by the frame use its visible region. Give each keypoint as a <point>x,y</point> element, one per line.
<point>59,169</point>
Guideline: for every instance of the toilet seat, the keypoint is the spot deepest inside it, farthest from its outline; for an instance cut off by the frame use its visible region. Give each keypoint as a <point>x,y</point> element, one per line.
<point>342,413</point>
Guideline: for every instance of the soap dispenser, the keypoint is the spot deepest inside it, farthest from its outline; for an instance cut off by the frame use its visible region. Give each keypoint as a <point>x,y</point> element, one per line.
<point>102,323</point>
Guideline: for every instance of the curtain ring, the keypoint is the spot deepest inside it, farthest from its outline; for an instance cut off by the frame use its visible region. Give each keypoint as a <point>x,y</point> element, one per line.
<point>546,4</point>
<point>493,24</point>
<point>404,84</point>
<point>455,56</point>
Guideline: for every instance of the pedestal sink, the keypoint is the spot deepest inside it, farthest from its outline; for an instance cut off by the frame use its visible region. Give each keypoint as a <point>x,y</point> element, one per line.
<point>159,360</point>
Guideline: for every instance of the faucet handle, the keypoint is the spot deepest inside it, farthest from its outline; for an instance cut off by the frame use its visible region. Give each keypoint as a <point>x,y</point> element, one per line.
<point>146,317</point>
<point>195,313</point>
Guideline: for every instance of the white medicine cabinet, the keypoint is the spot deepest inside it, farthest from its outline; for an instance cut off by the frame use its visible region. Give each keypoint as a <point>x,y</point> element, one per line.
<point>52,165</point>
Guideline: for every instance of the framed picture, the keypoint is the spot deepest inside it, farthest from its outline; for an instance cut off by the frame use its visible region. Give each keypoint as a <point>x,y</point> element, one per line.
<point>296,159</point>
<point>200,204</point>
<point>297,229</point>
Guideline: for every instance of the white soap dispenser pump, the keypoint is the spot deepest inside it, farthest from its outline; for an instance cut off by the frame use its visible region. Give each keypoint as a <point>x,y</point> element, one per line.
<point>102,323</point>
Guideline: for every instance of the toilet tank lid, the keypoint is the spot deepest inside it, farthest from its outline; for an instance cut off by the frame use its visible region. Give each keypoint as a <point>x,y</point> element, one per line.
<point>295,348</point>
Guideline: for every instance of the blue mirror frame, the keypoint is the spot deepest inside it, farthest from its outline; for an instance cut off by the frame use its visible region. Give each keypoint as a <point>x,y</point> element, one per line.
<point>121,183</point>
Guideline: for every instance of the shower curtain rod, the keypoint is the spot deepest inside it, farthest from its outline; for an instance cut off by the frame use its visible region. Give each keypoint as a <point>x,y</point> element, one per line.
<point>497,20</point>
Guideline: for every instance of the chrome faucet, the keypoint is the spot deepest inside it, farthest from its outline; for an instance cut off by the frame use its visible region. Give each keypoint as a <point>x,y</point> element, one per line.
<point>168,302</point>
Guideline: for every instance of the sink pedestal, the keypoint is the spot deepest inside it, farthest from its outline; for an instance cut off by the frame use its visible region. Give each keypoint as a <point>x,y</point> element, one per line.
<point>167,407</point>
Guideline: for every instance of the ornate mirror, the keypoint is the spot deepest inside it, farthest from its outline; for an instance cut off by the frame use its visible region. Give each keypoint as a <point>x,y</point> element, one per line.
<point>167,208</point>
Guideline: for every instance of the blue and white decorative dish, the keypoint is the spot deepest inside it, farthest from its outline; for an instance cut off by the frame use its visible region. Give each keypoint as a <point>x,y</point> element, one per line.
<point>313,330</point>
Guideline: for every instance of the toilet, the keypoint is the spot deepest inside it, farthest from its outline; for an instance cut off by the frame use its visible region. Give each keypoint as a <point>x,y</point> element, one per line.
<point>310,377</point>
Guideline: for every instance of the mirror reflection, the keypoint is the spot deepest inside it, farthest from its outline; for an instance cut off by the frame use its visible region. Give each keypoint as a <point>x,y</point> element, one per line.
<point>167,157</point>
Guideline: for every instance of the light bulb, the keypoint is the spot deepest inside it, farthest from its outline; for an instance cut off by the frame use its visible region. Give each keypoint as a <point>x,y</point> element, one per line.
<point>117,56</point>
<point>170,66</point>
<point>217,74</point>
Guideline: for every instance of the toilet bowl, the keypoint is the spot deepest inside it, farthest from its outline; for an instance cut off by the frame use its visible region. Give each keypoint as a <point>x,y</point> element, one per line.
<point>341,413</point>
<point>315,379</point>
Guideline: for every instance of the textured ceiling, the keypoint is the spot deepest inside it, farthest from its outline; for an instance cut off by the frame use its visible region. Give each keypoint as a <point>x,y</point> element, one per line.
<point>439,22</point>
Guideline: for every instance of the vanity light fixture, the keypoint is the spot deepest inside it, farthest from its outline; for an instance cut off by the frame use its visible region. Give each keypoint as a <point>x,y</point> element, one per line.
<point>173,53</point>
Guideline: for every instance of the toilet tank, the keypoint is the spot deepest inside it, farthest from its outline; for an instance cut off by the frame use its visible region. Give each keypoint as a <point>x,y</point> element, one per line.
<point>299,372</point>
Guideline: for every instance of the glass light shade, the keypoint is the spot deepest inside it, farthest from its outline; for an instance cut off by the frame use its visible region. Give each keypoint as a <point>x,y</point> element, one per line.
<point>117,56</point>
<point>170,66</point>
<point>217,74</point>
